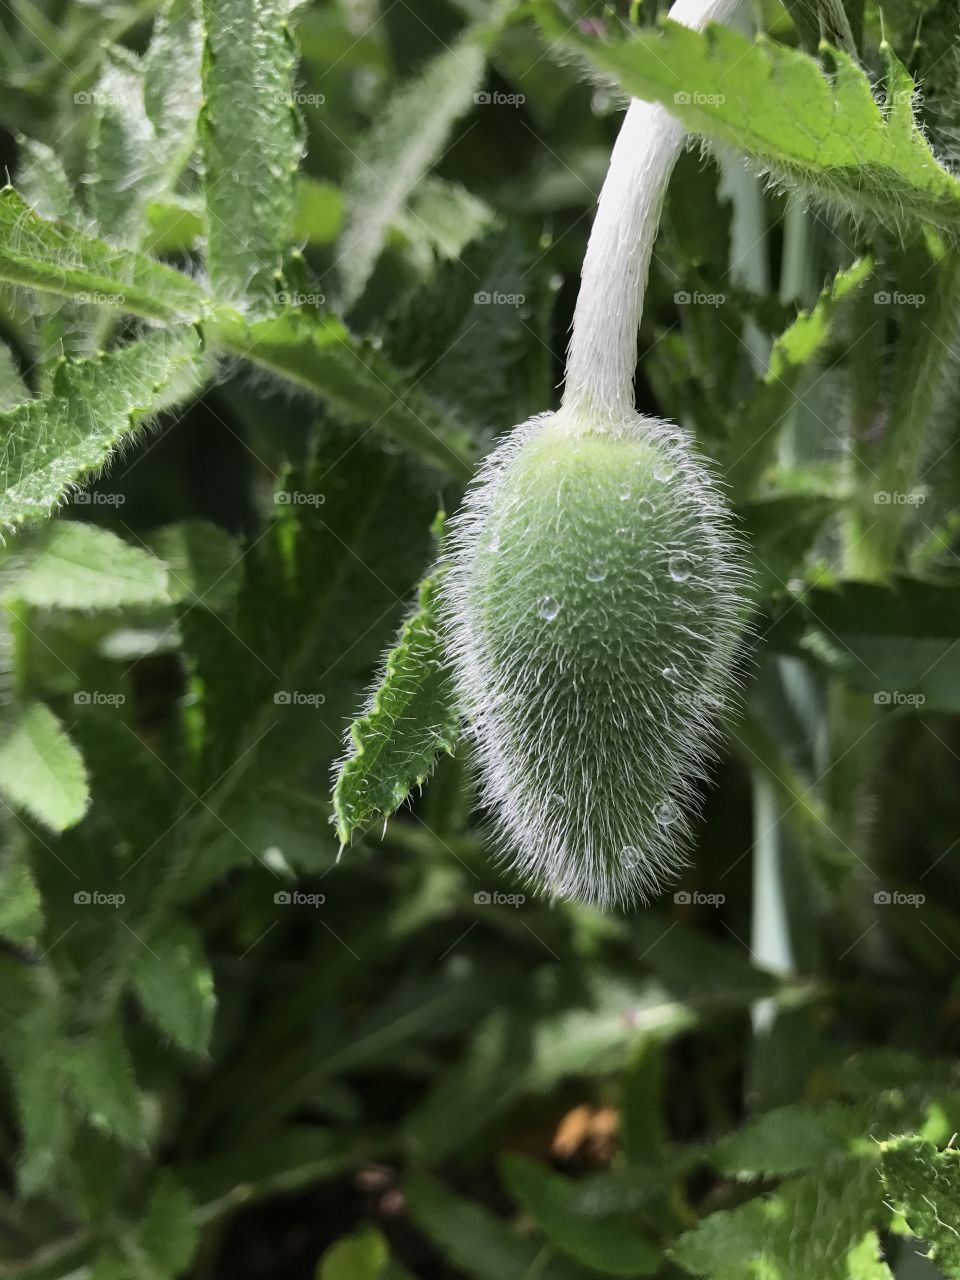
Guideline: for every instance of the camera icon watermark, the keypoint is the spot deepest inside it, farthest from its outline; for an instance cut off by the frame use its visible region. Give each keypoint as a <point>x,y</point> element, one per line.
<point>893,898</point>
<point>896,498</point>
<point>694,898</point>
<point>696,298</point>
<point>895,298</point>
<point>96,898</point>
<point>298,698</point>
<point>94,698</point>
<point>297,498</point>
<point>494,898</point>
<point>497,99</point>
<point>498,299</point>
<point>683,98</point>
<point>296,898</point>
<point>896,698</point>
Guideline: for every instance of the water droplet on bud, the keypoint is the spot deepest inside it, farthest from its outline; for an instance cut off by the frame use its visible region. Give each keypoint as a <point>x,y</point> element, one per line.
<point>548,608</point>
<point>680,568</point>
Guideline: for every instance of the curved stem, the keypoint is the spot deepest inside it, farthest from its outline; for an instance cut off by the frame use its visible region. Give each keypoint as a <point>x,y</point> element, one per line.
<point>602,355</point>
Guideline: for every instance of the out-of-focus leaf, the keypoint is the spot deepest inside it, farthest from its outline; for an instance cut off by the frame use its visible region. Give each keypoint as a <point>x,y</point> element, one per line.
<point>612,1246</point>
<point>70,565</point>
<point>174,984</point>
<point>362,1256</point>
<point>41,771</point>
<point>203,563</point>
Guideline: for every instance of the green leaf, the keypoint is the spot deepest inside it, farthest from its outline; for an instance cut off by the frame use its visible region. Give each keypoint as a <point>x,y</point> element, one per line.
<point>41,770</point>
<point>475,1241</point>
<point>43,182</point>
<point>104,1086</point>
<point>319,211</point>
<point>358,1257</point>
<point>251,147</point>
<point>33,1016</point>
<point>319,353</point>
<point>55,442</point>
<point>203,563</point>
<point>923,1185</point>
<point>612,1246</point>
<point>864,1261</point>
<point>407,139</point>
<point>173,982</point>
<point>168,1233</point>
<point>896,643</point>
<point>410,718</point>
<point>172,91</point>
<point>825,133</point>
<point>56,258</point>
<point>21,910</point>
<point>755,431</point>
<point>70,565</point>
<point>790,1140</point>
<point>13,390</point>
<point>806,1229</point>
<point>122,175</point>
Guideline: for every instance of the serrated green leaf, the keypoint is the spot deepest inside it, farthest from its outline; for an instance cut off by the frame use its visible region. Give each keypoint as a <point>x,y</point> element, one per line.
<point>70,565</point>
<point>407,139</point>
<point>21,910</point>
<point>173,982</point>
<point>168,1233</point>
<point>41,771</point>
<point>806,1229</point>
<point>358,1257</point>
<point>52,443</point>
<point>475,1241</point>
<point>923,1184</point>
<point>316,351</point>
<point>251,147</point>
<point>56,258</point>
<point>790,1140</point>
<point>44,1117</point>
<point>203,563</point>
<point>612,1246</point>
<point>823,132</point>
<point>103,1084</point>
<point>410,718</point>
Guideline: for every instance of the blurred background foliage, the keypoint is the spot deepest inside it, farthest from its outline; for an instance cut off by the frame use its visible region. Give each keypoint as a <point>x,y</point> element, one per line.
<point>428,1073</point>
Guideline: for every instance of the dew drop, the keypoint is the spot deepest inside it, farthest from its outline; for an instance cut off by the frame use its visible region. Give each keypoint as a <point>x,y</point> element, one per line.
<point>624,493</point>
<point>663,470</point>
<point>670,673</point>
<point>680,568</point>
<point>596,571</point>
<point>548,608</point>
<point>667,812</point>
<point>624,532</point>
<point>631,856</point>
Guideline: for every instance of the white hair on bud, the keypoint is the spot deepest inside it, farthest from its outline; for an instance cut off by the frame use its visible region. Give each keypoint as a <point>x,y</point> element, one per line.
<point>594,595</point>
<point>592,718</point>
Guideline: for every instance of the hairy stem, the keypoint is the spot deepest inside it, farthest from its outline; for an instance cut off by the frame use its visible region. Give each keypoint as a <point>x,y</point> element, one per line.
<point>602,355</point>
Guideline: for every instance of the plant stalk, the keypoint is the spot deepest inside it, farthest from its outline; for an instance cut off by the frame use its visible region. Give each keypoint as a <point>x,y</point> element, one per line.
<point>602,355</point>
